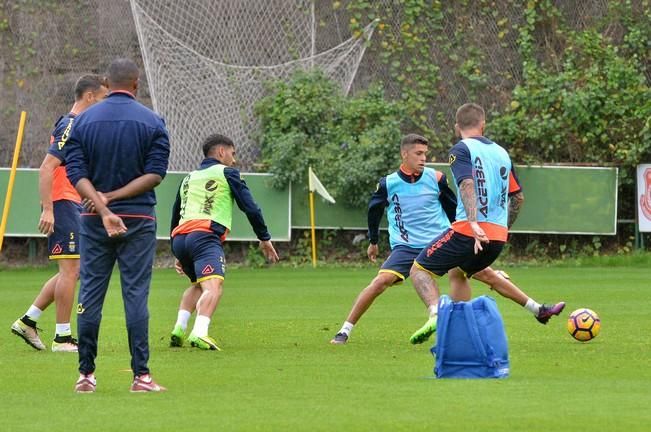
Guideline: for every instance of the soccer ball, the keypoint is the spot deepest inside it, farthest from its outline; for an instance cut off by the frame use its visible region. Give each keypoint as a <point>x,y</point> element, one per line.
<point>583,324</point>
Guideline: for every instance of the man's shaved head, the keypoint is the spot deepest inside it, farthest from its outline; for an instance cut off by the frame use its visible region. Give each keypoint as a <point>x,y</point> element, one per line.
<point>123,73</point>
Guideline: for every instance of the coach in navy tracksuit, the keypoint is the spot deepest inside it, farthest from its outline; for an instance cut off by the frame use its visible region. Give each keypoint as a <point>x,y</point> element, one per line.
<point>117,153</point>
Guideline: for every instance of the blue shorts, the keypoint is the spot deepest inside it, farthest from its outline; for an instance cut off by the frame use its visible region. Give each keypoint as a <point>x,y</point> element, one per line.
<point>201,255</point>
<point>451,249</point>
<point>64,241</point>
<point>400,261</point>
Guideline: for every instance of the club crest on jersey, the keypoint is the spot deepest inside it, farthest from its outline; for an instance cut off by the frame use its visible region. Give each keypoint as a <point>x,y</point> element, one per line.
<point>72,246</point>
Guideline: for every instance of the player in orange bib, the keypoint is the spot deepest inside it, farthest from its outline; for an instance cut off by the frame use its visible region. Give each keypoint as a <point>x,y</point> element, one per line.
<point>60,222</point>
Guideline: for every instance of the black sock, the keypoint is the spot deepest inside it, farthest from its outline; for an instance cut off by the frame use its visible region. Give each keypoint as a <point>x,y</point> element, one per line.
<point>28,321</point>
<point>62,339</point>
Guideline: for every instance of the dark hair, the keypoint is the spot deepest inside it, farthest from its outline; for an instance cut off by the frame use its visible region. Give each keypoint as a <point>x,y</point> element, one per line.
<point>122,72</point>
<point>470,115</point>
<point>88,83</point>
<point>411,139</point>
<point>215,140</point>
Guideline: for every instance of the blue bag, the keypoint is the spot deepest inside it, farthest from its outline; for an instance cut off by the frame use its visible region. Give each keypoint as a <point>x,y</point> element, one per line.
<point>470,341</point>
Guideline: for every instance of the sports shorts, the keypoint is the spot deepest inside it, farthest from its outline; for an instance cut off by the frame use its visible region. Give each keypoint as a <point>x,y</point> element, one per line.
<point>451,249</point>
<point>400,261</point>
<point>201,255</point>
<point>64,241</point>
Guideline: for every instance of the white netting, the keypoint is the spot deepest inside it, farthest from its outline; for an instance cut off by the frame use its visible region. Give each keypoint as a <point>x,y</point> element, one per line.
<point>38,69</point>
<point>207,63</point>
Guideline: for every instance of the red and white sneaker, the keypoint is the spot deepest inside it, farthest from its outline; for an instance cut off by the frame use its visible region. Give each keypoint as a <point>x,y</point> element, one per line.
<point>86,383</point>
<point>145,383</point>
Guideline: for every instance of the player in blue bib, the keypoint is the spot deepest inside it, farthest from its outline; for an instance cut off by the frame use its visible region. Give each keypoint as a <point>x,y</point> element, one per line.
<point>489,202</point>
<point>419,206</point>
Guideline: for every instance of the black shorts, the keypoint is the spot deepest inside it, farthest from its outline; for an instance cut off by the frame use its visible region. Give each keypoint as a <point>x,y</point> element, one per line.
<point>451,249</point>
<point>63,243</point>
<point>400,261</point>
<point>201,255</point>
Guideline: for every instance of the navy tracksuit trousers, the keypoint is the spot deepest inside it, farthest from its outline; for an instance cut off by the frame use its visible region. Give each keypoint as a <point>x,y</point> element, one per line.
<point>134,252</point>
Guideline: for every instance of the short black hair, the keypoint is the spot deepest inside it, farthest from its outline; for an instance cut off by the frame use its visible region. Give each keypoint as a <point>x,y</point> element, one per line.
<point>470,115</point>
<point>122,72</point>
<point>88,83</point>
<point>411,139</point>
<point>215,140</point>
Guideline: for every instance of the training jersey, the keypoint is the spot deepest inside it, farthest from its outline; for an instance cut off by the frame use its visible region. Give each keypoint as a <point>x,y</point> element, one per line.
<point>114,142</point>
<point>61,186</point>
<point>204,202</point>
<point>489,165</point>
<point>205,195</point>
<point>418,207</point>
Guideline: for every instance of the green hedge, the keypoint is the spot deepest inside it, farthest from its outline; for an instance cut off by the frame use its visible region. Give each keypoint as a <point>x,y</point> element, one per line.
<point>349,142</point>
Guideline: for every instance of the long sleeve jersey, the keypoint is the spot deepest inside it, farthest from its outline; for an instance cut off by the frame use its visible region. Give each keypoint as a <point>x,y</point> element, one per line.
<point>202,221</point>
<point>115,142</point>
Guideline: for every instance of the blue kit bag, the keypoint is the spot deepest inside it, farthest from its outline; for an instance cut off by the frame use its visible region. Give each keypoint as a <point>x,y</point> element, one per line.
<point>470,341</point>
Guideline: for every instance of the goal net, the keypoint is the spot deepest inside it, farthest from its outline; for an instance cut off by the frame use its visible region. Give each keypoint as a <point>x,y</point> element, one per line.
<point>207,63</point>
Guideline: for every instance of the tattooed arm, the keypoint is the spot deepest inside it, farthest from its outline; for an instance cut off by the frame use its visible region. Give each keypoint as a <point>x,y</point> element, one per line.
<point>469,198</point>
<point>462,169</point>
<point>515,204</point>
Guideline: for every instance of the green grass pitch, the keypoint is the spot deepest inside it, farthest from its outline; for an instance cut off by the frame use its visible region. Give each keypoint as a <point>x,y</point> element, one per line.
<point>277,370</point>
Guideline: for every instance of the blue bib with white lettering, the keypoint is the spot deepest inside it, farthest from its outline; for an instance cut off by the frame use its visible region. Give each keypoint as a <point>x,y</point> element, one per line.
<point>491,166</point>
<point>414,214</point>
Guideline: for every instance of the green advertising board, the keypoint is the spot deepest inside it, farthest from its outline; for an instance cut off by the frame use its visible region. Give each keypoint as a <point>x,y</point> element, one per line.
<point>25,206</point>
<point>558,200</point>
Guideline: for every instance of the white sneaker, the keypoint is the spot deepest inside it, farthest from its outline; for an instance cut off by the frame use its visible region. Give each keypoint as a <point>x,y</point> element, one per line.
<point>65,344</point>
<point>28,333</point>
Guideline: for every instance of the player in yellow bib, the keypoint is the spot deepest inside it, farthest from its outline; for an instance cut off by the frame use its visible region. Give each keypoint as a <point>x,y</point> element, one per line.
<point>201,220</point>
